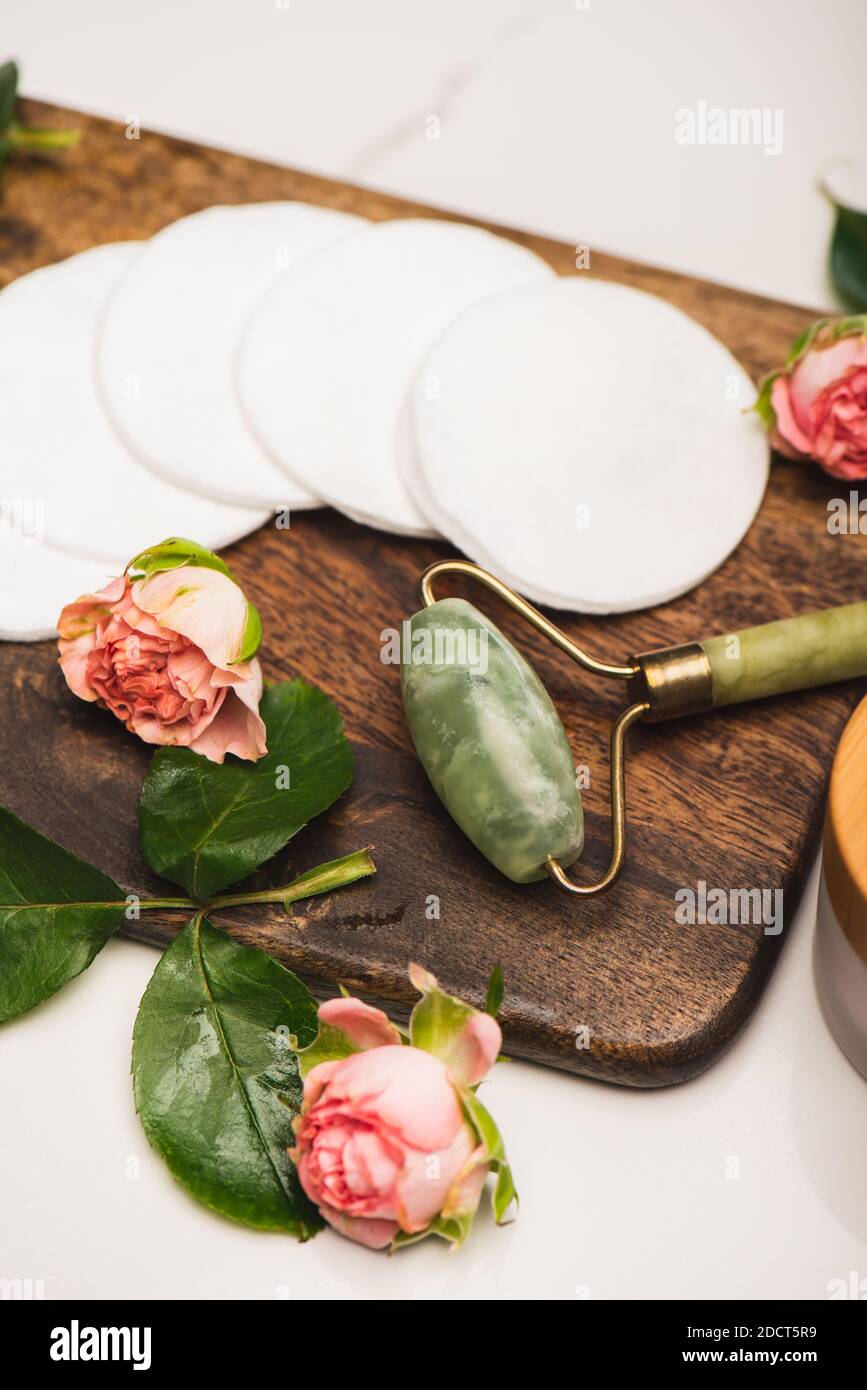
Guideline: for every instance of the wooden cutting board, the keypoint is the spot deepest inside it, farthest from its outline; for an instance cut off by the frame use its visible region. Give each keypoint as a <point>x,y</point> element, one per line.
<point>611,987</point>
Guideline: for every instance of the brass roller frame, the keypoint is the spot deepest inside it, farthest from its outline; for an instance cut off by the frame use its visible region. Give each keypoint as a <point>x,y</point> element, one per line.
<point>666,683</point>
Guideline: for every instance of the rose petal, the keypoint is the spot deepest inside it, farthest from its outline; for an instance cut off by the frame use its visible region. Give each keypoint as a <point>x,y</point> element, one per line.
<point>317,1078</point>
<point>476,1050</point>
<point>404,1089</point>
<point>373,1233</point>
<point>463,1197</point>
<point>204,605</point>
<point>362,1024</point>
<point>427,1178</point>
<point>237,726</point>
<point>80,618</point>
<point>820,368</point>
<point>789,438</point>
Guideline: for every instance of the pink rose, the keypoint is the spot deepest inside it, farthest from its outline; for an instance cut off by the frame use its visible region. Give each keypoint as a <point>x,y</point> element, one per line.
<point>161,652</point>
<point>384,1144</point>
<point>820,401</point>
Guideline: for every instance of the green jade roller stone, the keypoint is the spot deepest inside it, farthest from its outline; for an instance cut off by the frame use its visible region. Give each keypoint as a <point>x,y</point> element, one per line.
<point>490,740</point>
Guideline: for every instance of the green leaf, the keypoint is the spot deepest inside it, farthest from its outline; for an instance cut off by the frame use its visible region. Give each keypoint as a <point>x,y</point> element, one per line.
<point>56,914</point>
<point>496,990</point>
<point>216,1083</point>
<point>171,554</point>
<point>763,407</point>
<point>849,256</point>
<point>438,1019</point>
<point>483,1122</point>
<point>453,1229</point>
<point>330,1045</point>
<point>8,92</point>
<point>252,634</point>
<point>804,341</point>
<point>505,1193</point>
<point>206,825</point>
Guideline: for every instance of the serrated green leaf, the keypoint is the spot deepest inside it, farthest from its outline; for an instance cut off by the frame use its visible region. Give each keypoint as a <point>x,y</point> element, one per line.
<point>8,92</point>
<point>56,914</point>
<point>206,825</point>
<point>849,257</point>
<point>171,554</point>
<point>496,990</point>
<point>216,1083</point>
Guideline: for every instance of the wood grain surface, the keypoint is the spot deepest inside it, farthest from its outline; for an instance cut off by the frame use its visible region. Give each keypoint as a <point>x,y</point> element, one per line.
<point>612,987</point>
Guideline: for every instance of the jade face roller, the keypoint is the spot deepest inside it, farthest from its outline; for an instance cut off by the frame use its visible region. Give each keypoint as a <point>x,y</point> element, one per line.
<point>493,745</point>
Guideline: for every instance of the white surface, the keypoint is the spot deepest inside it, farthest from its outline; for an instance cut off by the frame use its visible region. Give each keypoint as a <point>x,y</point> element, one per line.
<point>581,482</point>
<point>172,325</point>
<point>57,444</point>
<point>555,115</point>
<point>747,1182</point>
<point>624,1194</point>
<point>328,358</point>
<point>36,581</point>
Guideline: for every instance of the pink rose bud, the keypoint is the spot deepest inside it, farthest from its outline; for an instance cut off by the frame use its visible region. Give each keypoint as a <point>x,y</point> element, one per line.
<point>817,405</point>
<point>384,1145</point>
<point>161,652</point>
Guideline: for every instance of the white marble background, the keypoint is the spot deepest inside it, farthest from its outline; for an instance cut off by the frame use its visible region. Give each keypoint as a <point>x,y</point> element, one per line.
<point>557,117</point>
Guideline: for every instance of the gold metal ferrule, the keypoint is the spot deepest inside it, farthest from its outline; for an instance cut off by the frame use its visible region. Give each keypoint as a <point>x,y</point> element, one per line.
<point>673,681</point>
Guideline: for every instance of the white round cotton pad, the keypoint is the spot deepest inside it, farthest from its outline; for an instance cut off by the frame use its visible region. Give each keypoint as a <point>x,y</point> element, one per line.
<point>327,361</point>
<point>58,449</point>
<point>36,581</point>
<point>589,443</point>
<point>168,335</point>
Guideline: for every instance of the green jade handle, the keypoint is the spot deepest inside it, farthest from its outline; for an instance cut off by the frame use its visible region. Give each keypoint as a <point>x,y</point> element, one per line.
<point>773,659</point>
<point>793,654</point>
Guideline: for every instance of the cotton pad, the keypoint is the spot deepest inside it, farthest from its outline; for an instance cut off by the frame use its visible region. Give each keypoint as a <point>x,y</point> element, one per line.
<point>36,581</point>
<point>588,443</point>
<point>328,358</point>
<point>168,335</point>
<point>58,448</point>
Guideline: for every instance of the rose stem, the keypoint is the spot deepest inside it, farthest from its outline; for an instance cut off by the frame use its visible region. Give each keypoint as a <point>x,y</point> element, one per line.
<point>22,137</point>
<point>337,873</point>
<point>175,904</point>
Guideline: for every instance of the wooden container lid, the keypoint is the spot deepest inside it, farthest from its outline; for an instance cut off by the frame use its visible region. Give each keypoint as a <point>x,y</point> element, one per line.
<point>844,847</point>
